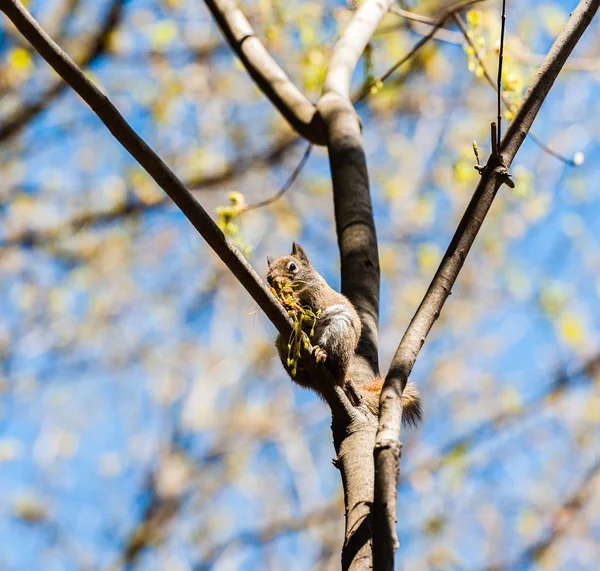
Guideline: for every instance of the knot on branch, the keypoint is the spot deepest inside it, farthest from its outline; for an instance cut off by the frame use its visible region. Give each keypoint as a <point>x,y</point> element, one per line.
<point>497,164</point>
<point>504,176</point>
<point>395,446</point>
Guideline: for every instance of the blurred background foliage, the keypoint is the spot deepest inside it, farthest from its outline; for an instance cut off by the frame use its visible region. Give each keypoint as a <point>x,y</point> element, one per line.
<point>145,420</point>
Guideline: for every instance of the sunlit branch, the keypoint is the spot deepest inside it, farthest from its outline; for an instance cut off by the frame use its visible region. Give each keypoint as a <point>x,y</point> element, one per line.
<point>266,73</point>
<point>493,176</point>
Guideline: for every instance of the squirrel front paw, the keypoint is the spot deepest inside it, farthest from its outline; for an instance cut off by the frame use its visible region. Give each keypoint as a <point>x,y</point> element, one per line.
<point>320,354</point>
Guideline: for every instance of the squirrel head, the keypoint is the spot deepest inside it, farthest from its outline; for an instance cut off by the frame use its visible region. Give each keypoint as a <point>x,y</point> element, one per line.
<point>294,269</point>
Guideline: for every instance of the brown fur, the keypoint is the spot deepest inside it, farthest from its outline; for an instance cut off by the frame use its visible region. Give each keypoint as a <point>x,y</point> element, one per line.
<point>411,400</point>
<point>337,330</point>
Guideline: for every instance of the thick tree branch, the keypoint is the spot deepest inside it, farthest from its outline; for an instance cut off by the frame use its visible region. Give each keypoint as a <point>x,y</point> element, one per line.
<point>355,226</point>
<point>300,113</point>
<point>148,159</point>
<point>357,242</point>
<point>493,176</point>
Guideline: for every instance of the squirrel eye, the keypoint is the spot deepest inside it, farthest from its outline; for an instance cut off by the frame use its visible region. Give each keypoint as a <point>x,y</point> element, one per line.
<point>292,267</point>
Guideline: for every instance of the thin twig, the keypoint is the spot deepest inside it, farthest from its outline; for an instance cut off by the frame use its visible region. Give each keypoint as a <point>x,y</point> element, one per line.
<point>286,185</point>
<point>499,83</point>
<point>434,27</point>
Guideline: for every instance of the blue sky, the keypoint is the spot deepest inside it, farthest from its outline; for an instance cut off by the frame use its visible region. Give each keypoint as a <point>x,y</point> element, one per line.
<point>168,359</point>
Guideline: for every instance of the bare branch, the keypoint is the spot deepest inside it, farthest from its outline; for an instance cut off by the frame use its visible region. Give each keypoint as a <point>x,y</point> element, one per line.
<point>269,77</point>
<point>493,176</point>
<point>546,76</point>
<point>286,185</point>
<point>148,159</point>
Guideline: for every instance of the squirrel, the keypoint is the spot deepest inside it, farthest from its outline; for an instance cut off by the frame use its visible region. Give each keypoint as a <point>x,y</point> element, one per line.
<point>337,328</point>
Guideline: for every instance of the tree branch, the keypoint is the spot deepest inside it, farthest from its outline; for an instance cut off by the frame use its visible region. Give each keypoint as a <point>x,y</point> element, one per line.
<point>359,256</point>
<point>300,113</point>
<point>148,159</point>
<point>493,176</point>
<point>351,45</point>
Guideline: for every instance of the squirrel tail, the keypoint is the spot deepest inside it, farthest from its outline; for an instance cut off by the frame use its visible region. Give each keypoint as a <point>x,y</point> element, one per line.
<point>412,412</point>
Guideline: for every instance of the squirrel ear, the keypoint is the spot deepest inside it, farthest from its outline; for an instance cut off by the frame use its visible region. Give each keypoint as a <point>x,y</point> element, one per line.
<point>270,261</point>
<point>298,252</point>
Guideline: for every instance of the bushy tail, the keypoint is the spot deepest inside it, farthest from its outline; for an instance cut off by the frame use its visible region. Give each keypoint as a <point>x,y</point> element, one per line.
<point>412,413</point>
